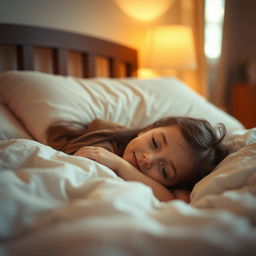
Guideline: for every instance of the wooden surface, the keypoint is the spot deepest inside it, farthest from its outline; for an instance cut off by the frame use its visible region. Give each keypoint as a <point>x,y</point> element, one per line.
<point>26,38</point>
<point>244,104</point>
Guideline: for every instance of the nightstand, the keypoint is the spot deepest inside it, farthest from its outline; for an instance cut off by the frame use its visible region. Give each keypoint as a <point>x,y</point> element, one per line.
<point>244,104</point>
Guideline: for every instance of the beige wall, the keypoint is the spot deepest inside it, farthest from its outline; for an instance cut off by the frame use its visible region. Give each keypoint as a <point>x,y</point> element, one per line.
<point>100,18</point>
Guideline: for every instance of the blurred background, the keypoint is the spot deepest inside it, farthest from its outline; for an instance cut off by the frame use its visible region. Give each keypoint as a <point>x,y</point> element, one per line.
<point>208,44</point>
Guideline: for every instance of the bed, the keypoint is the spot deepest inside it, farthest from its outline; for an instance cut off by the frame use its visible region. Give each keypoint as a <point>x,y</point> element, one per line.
<point>57,204</point>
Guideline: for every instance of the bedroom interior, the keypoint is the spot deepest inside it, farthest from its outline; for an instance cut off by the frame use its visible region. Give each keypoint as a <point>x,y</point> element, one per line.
<point>82,60</point>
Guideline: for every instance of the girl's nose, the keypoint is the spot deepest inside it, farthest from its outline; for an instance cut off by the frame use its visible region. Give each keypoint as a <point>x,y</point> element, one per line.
<point>148,160</point>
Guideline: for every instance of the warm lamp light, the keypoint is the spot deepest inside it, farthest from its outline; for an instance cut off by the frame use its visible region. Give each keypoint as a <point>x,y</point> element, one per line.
<point>169,47</point>
<point>144,10</point>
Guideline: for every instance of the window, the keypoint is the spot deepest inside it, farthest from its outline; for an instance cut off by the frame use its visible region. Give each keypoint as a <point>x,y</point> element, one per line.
<point>214,14</point>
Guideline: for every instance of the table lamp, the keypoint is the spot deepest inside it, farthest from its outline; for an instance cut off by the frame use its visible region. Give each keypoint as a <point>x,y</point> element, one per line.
<point>169,48</point>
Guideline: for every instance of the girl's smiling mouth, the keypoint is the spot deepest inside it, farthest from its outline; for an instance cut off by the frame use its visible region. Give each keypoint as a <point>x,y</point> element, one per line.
<point>135,162</point>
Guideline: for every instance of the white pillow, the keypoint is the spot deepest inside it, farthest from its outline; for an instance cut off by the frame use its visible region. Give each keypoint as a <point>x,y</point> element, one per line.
<point>236,174</point>
<point>231,186</point>
<point>39,99</point>
<point>10,127</point>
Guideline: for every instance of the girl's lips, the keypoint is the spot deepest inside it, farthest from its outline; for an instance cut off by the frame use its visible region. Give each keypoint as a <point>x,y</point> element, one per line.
<point>135,161</point>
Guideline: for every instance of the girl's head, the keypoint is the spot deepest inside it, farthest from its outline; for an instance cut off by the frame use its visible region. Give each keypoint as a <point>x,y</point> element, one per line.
<point>177,150</point>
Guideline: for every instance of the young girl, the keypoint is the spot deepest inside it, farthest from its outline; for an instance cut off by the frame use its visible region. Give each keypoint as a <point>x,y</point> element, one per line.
<point>171,155</point>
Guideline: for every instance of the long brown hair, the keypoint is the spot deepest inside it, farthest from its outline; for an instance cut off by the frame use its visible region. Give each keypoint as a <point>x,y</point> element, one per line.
<point>206,144</point>
<point>205,140</point>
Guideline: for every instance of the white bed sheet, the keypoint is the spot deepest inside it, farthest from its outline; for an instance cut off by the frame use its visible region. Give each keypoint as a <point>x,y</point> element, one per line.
<point>56,204</point>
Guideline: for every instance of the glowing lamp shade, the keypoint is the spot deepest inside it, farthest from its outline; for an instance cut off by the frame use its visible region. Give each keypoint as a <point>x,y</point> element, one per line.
<point>144,10</point>
<point>169,47</point>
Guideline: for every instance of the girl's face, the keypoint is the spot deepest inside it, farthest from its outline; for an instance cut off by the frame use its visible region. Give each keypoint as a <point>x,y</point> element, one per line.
<point>162,154</point>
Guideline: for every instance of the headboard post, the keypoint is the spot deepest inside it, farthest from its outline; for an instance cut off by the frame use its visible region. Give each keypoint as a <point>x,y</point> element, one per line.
<point>25,57</point>
<point>131,69</point>
<point>114,67</point>
<point>60,61</point>
<point>89,65</point>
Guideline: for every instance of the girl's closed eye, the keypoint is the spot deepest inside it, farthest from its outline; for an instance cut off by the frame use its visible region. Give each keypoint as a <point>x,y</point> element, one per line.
<point>163,171</point>
<point>154,144</point>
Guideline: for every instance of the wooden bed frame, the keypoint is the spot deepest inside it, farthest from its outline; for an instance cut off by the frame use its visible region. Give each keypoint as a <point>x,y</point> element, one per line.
<point>26,38</point>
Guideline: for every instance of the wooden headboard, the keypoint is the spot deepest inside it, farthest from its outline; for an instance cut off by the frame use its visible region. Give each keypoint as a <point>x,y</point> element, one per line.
<point>121,61</point>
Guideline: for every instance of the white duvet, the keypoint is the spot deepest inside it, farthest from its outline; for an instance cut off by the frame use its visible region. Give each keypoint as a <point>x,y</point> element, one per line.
<point>56,204</point>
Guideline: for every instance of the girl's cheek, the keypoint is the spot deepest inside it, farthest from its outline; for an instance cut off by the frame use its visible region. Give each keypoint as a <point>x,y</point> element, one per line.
<point>152,174</point>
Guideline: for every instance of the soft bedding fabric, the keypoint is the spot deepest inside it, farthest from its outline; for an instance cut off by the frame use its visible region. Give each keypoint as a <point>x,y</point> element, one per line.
<point>57,204</point>
<point>10,127</point>
<point>232,185</point>
<point>131,102</point>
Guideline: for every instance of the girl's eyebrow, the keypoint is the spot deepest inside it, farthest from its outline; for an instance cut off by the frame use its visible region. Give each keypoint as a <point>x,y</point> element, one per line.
<point>164,138</point>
